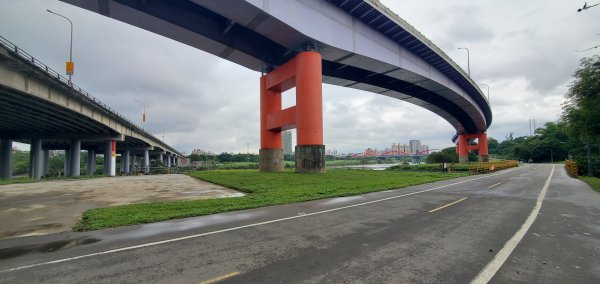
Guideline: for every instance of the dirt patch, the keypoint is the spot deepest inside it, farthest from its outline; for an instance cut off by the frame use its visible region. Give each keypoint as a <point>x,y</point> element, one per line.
<point>55,206</point>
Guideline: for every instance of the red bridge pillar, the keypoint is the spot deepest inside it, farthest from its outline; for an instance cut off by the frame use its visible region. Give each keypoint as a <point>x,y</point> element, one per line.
<point>305,73</point>
<point>463,147</point>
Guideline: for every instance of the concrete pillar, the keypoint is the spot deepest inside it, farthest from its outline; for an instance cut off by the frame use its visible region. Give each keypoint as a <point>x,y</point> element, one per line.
<point>67,165</point>
<point>46,164</point>
<point>169,160</point>
<point>36,161</point>
<point>5,158</point>
<point>75,158</point>
<point>122,164</point>
<point>146,162</point>
<point>91,162</point>
<point>133,162</point>
<point>160,158</point>
<point>482,144</point>
<point>110,158</point>
<point>126,161</point>
<point>463,152</point>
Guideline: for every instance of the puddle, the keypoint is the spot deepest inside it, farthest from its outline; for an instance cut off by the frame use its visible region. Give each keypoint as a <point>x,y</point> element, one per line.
<point>7,253</point>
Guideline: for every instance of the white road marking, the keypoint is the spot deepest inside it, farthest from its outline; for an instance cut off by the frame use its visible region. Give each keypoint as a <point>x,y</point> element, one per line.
<point>493,266</point>
<point>246,226</point>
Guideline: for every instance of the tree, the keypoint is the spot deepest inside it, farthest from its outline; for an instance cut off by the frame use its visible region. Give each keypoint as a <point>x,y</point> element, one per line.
<point>582,114</point>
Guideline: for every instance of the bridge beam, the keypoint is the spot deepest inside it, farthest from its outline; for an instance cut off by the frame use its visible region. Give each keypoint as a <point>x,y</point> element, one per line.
<point>463,147</point>
<point>305,73</point>
<point>5,158</point>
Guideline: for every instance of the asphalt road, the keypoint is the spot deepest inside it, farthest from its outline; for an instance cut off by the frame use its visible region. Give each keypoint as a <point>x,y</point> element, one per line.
<point>446,232</point>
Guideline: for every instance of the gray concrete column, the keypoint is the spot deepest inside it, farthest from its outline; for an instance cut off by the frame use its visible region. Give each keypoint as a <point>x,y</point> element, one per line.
<point>36,161</point>
<point>91,162</point>
<point>46,164</point>
<point>122,164</point>
<point>5,158</point>
<point>146,162</point>
<point>109,160</point>
<point>169,160</point>
<point>67,167</point>
<point>160,158</point>
<point>127,161</point>
<point>75,158</point>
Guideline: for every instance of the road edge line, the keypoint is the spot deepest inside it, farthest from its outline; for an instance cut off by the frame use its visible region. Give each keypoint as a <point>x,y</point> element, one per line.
<point>486,274</point>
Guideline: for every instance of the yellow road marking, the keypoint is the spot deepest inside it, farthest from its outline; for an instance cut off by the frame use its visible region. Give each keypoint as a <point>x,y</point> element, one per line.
<point>222,277</point>
<point>449,204</point>
<point>494,185</point>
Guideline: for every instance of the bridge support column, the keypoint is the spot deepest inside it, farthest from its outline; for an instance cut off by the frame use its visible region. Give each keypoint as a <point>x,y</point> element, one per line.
<point>126,161</point>
<point>67,163</point>
<point>5,158</point>
<point>110,158</point>
<point>305,73</point>
<point>75,158</point>
<point>36,158</point>
<point>464,147</point>
<point>146,162</point>
<point>463,153</point>
<point>46,163</point>
<point>168,160</point>
<point>91,162</point>
<point>160,158</point>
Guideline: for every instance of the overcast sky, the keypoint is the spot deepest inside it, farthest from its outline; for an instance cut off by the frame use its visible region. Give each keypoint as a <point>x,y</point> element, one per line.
<point>524,50</point>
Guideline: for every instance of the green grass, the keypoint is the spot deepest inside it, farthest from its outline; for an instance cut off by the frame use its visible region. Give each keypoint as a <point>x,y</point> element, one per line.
<point>594,182</point>
<point>262,189</point>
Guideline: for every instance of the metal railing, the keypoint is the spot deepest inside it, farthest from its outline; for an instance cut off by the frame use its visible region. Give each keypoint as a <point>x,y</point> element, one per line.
<point>78,91</point>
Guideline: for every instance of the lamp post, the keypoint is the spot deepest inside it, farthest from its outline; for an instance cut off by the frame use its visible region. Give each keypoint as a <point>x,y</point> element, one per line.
<point>468,60</point>
<point>144,113</point>
<point>70,66</point>
<point>488,91</point>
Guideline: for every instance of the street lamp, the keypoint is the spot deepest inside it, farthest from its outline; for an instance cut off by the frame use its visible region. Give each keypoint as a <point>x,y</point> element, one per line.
<point>70,66</point>
<point>468,60</point>
<point>143,114</point>
<point>585,6</point>
<point>488,91</point>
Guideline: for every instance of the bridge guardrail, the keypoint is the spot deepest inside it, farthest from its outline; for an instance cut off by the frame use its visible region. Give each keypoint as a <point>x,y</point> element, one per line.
<point>486,167</point>
<point>78,90</point>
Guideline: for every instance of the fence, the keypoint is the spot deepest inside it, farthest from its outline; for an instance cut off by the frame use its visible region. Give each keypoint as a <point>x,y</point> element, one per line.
<point>571,168</point>
<point>486,167</point>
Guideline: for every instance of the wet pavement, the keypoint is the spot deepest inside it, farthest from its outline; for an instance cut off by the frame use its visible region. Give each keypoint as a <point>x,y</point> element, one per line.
<point>55,206</point>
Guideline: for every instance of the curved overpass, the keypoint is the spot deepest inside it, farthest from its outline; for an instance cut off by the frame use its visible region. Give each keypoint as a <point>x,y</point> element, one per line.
<point>363,45</point>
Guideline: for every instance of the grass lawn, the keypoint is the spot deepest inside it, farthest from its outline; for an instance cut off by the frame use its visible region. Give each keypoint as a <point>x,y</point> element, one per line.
<point>594,182</point>
<point>262,189</point>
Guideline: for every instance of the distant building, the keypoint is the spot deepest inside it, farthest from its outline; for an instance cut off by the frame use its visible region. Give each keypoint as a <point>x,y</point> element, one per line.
<point>200,152</point>
<point>424,149</point>
<point>287,143</point>
<point>414,146</point>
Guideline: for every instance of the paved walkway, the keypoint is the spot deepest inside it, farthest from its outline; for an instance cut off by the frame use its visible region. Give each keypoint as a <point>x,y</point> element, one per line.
<point>55,206</point>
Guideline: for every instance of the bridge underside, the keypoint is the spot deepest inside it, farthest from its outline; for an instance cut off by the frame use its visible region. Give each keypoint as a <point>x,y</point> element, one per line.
<point>253,35</point>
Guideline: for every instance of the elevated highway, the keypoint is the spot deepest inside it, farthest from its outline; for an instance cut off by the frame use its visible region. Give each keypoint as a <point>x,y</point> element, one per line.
<point>41,108</point>
<point>362,44</point>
